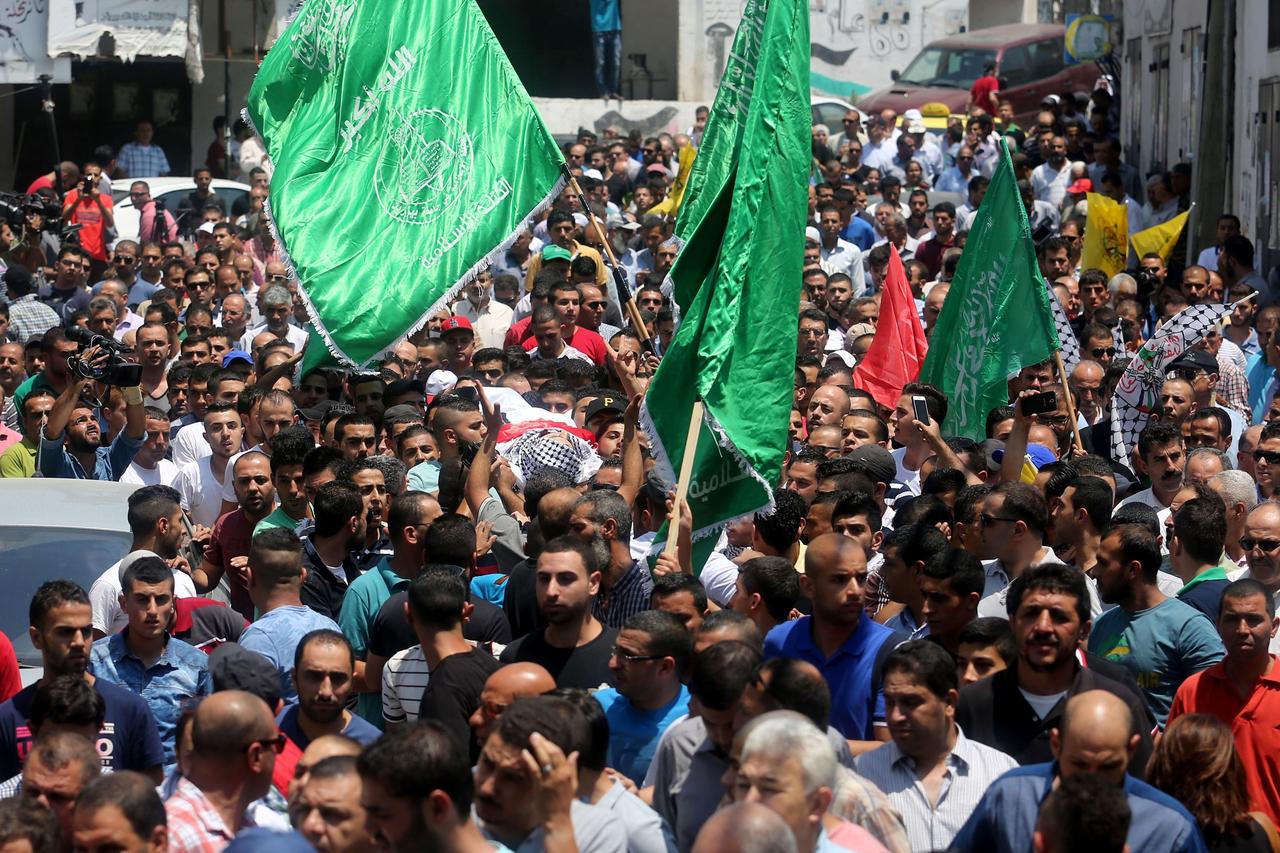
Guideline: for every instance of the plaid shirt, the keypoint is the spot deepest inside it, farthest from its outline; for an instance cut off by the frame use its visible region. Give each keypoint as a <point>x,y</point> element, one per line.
<point>858,801</point>
<point>29,316</point>
<point>194,824</point>
<point>142,161</point>
<point>630,595</point>
<point>1232,389</point>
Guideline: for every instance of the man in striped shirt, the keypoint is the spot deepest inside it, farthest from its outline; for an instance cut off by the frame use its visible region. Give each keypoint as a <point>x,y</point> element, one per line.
<point>933,775</point>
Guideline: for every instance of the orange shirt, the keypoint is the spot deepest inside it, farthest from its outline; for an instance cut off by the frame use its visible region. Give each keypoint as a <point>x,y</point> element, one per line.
<point>1254,720</point>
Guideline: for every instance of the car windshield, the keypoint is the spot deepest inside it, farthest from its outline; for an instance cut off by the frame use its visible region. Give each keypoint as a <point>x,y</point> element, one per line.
<point>947,67</point>
<point>33,555</point>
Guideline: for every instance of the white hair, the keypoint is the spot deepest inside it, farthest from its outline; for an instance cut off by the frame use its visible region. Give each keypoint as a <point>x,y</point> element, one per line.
<point>787,734</point>
<point>1238,487</point>
<point>1118,279</point>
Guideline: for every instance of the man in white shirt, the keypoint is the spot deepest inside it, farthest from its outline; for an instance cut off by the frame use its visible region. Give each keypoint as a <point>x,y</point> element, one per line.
<point>489,319</point>
<point>149,467</point>
<point>200,483</point>
<point>838,256</point>
<point>277,307</point>
<point>1162,204</point>
<point>1050,179</point>
<point>189,444</point>
<point>155,520</point>
<point>549,339</point>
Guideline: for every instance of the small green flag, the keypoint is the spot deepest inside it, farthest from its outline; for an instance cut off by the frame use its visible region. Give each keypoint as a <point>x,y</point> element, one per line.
<point>406,153</point>
<point>742,220</point>
<point>996,319</point>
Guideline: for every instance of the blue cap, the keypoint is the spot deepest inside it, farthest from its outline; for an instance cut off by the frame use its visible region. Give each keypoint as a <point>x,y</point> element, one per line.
<point>237,355</point>
<point>1040,455</point>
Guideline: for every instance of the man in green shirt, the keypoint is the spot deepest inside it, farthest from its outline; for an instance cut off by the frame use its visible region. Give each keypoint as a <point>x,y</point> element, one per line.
<point>19,460</point>
<point>288,449</point>
<point>57,349</point>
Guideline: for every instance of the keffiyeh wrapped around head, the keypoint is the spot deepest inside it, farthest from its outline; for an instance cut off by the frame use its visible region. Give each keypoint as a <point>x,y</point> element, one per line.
<point>538,449</point>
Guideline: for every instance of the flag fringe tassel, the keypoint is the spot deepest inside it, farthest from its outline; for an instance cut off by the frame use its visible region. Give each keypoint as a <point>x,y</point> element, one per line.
<point>662,461</point>
<point>446,299</point>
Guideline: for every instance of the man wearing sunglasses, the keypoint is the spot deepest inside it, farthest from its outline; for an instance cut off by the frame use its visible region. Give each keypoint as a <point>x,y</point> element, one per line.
<point>235,744</point>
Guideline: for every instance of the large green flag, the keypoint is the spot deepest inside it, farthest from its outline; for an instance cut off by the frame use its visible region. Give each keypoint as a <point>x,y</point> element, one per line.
<point>737,278</point>
<point>406,153</point>
<point>996,319</point>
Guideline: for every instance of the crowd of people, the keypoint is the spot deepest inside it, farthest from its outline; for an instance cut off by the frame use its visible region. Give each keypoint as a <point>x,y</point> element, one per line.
<point>415,607</point>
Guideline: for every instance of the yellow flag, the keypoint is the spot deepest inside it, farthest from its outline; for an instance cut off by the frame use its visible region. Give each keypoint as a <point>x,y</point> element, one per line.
<point>1160,238</point>
<point>1106,235</point>
<point>669,205</point>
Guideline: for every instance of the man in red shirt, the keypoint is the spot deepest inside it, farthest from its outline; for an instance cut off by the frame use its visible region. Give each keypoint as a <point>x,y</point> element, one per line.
<point>566,300</point>
<point>985,91</point>
<point>92,212</point>
<point>1243,690</point>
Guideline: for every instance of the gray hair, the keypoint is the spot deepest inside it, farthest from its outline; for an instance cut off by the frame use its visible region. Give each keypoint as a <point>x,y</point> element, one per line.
<point>102,303</point>
<point>393,472</point>
<point>277,296</point>
<point>610,505</point>
<point>747,828</point>
<point>1118,279</point>
<point>783,734</point>
<point>1238,487</point>
<point>1215,453</point>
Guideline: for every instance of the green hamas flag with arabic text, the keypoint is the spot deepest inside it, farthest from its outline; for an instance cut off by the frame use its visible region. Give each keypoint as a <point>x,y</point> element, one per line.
<point>996,319</point>
<point>738,275</point>
<point>406,152</point>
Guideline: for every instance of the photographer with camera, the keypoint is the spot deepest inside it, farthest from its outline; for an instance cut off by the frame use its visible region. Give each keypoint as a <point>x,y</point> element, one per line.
<point>69,443</point>
<point>87,207</point>
<point>154,222</point>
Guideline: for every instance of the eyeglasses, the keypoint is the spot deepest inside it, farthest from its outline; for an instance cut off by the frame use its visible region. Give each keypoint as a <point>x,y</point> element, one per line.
<point>277,277</point>
<point>276,743</point>
<point>1264,545</point>
<point>1271,457</point>
<point>626,658</point>
<point>596,306</point>
<point>1099,352</point>
<point>125,259</point>
<point>993,520</point>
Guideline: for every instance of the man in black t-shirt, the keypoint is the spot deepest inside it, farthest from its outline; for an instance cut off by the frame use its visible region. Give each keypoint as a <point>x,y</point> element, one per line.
<point>574,647</point>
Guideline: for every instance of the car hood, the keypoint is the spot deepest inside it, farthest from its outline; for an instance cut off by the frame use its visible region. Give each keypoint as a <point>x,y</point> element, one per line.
<point>904,97</point>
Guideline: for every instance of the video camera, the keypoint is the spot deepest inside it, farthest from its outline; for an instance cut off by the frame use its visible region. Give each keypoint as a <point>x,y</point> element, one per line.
<point>14,208</point>
<point>116,371</point>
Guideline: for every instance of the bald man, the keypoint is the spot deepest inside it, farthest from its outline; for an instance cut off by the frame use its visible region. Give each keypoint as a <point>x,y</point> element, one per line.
<point>842,641</point>
<point>325,746</point>
<point>234,747</point>
<point>1095,737</point>
<point>506,685</point>
<point>827,407</point>
<point>745,828</point>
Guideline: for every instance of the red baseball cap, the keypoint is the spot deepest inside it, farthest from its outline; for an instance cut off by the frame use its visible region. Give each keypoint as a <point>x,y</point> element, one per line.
<point>453,322</point>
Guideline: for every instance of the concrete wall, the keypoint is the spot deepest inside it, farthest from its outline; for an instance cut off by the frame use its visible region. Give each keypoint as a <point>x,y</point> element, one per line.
<point>856,43</point>
<point>649,27</point>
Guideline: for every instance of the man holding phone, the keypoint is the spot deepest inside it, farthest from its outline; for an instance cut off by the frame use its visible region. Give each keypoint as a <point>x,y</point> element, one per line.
<point>919,402</point>
<point>87,207</point>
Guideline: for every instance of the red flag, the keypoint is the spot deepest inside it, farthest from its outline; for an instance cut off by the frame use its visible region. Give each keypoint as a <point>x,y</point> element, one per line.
<point>897,353</point>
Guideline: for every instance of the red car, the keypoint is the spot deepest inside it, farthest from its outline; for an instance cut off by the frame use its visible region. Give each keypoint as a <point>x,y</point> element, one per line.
<point>1030,68</point>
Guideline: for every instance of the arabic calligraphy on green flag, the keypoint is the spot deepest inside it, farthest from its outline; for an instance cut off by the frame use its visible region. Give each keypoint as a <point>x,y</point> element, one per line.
<point>406,154</point>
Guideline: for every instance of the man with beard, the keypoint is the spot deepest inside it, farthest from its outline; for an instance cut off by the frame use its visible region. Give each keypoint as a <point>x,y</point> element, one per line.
<point>155,520</point>
<point>62,630</point>
<point>526,783</point>
<point>489,319</point>
<point>340,524</point>
<point>275,580</point>
<point>574,647</point>
<point>417,790</point>
<point>1161,640</point>
<point>1015,709</point>
<point>152,344</point>
<point>69,442</point>
<point>323,679</point>
<point>602,520</point>
<point>327,810</point>
<point>227,553</point>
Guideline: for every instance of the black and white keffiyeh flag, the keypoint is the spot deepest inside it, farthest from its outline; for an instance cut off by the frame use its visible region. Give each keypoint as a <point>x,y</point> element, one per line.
<point>1066,335</point>
<point>1138,392</point>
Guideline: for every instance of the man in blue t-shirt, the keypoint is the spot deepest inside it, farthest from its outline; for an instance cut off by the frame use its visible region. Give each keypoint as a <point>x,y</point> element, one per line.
<point>324,678</point>
<point>649,659</point>
<point>62,630</point>
<point>842,641</point>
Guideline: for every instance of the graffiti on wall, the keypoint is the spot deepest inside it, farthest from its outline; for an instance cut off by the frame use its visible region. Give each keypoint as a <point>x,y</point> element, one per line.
<point>855,43</point>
